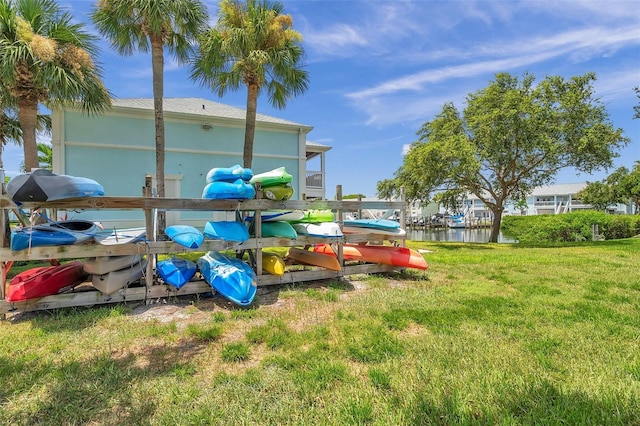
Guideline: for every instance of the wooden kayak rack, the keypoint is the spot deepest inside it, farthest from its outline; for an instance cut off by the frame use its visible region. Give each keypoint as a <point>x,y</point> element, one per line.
<point>154,288</point>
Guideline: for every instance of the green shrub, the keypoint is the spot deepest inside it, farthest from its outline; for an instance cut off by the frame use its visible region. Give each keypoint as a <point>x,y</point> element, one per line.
<point>568,227</point>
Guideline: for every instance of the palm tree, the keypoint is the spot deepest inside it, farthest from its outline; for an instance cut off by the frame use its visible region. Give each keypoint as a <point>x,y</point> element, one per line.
<point>46,58</point>
<point>153,25</point>
<point>253,44</point>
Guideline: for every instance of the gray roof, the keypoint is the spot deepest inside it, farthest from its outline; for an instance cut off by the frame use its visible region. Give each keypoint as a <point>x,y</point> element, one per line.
<point>201,107</point>
<point>560,189</point>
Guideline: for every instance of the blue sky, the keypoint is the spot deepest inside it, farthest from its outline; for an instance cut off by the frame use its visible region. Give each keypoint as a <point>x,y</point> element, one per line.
<point>380,69</point>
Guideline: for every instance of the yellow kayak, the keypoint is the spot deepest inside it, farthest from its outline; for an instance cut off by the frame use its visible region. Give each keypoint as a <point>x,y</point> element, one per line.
<point>272,264</point>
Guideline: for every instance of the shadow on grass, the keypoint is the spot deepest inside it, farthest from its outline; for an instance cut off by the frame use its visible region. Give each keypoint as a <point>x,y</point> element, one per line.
<point>537,403</point>
<point>100,389</point>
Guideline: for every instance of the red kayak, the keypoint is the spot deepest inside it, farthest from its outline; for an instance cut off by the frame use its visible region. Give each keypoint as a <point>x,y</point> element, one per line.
<point>45,281</point>
<point>387,255</point>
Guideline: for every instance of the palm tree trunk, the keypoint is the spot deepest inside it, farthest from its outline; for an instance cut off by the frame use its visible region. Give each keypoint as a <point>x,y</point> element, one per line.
<point>250,124</point>
<point>157,60</point>
<point>28,116</point>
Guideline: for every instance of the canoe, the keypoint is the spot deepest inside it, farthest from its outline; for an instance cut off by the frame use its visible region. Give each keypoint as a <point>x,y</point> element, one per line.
<point>272,263</point>
<point>117,280</point>
<point>277,176</point>
<point>45,281</point>
<point>278,192</point>
<point>176,271</point>
<point>185,235</point>
<point>226,231</point>
<point>237,190</point>
<point>229,174</point>
<point>398,232</point>
<point>120,236</point>
<point>372,223</point>
<point>64,232</point>
<point>314,216</point>
<point>278,229</point>
<point>44,185</point>
<point>307,257</point>
<point>278,215</point>
<point>322,229</point>
<point>105,264</point>
<point>387,255</point>
<point>232,278</point>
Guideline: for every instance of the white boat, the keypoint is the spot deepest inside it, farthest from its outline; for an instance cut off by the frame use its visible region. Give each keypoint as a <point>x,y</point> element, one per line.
<point>104,264</point>
<point>117,280</point>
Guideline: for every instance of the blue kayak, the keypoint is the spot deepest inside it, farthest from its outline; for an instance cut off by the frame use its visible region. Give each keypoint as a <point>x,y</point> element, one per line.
<point>237,190</point>
<point>226,231</point>
<point>65,232</point>
<point>230,277</point>
<point>229,174</point>
<point>185,235</point>
<point>176,271</point>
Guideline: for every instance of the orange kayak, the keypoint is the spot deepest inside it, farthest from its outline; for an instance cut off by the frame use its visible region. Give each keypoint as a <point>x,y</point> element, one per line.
<point>387,255</point>
<point>307,257</point>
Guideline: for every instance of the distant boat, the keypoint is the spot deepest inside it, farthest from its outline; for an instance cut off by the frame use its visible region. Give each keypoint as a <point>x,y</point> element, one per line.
<point>44,185</point>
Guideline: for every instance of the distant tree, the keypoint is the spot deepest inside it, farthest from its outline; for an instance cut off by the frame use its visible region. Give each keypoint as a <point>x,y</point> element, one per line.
<point>153,25</point>
<point>252,44</point>
<point>511,137</point>
<point>637,107</point>
<point>46,57</point>
<point>353,196</point>
<point>621,186</point>
<point>600,195</point>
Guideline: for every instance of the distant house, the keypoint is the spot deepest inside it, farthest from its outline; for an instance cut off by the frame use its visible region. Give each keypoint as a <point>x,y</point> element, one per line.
<point>117,148</point>
<point>551,199</point>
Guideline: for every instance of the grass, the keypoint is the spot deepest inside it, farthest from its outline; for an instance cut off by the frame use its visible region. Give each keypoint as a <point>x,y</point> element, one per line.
<point>490,334</point>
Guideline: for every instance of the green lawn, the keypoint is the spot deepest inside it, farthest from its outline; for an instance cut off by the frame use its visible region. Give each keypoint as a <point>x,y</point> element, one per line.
<point>490,334</point>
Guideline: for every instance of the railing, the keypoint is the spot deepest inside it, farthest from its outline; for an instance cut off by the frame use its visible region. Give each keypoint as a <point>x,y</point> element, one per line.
<point>315,179</point>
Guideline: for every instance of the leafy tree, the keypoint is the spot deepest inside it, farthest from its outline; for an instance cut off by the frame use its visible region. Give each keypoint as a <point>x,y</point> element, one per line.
<point>253,44</point>
<point>512,137</point>
<point>598,194</point>
<point>637,107</point>
<point>621,186</point>
<point>46,57</point>
<point>153,25</point>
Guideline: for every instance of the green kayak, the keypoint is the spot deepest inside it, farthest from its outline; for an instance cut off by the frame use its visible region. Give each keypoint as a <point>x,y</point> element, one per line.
<point>316,216</point>
<point>273,177</point>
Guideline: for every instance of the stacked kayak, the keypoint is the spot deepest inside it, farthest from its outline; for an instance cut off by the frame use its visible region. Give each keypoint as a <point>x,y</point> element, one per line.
<point>229,183</point>
<point>114,280</point>
<point>176,271</point>
<point>230,277</point>
<point>386,255</point>
<point>226,231</point>
<point>43,185</point>
<point>45,281</point>
<point>373,226</point>
<point>64,232</point>
<point>274,184</point>
<point>185,235</point>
